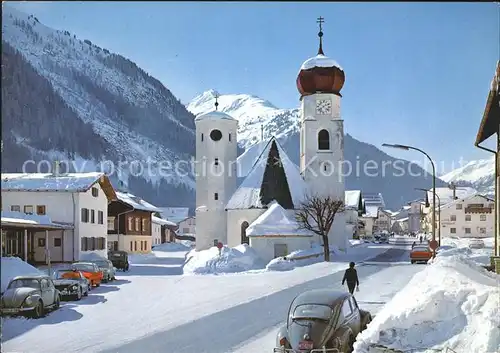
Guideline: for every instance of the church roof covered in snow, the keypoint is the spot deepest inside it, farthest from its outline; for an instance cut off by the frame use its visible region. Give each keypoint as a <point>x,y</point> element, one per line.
<point>276,221</point>
<point>214,115</point>
<point>273,177</point>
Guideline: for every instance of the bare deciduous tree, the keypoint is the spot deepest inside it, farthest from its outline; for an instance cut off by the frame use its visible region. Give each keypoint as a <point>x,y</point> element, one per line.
<point>316,214</point>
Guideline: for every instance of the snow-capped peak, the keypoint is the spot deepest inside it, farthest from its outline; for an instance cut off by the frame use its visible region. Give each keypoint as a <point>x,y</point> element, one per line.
<point>253,113</point>
<point>479,173</point>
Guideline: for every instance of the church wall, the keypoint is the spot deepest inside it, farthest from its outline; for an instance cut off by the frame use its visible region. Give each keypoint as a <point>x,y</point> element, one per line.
<point>234,220</point>
<point>264,246</point>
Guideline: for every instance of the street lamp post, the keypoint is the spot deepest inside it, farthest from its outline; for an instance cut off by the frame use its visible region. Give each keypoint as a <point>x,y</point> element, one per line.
<point>407,148</point>
<point>439,214</point>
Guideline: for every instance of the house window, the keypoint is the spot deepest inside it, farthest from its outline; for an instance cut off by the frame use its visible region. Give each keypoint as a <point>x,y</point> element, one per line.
<point>100,217</point>
<point>15,208</point>
<point>130,225</point>
<point>137,224</point>
<point>216,196</point>
<point>229,136</point>
<point>28,209</point>
<point>453,230</point>
<point>459,206</point>
<point>95,192</point>
<point>453,218</point>
<point>85,215</point>
<point>482,230</point>
<point>41,242</point>
<point>467,218</point>
<point>323,140</point>
<point>57,242</point>
<point>216,161</point>
<point>491,205</point>
<point>142,245</point>
<point>202,137</point>
<point>135,245</point>
<point>131,246</point>
<point>467,230</point>
<point>185,230</point>
<point>111,223</point>
<point>40,210</point>
<point>482,217</point>
<point>84,245</point>
<point>92,216</point>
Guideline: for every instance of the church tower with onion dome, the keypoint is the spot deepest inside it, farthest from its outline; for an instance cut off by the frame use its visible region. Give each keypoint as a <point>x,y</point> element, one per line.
<point>216,175</point>
<point>319,83</point>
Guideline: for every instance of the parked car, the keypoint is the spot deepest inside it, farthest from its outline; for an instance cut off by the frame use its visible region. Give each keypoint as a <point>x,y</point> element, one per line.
<point>420,253</point>
<point>476,243</point>
<point>119,259</point>
<point>30,295</point>
<point>107,268</point>
<point>72,284</point>
<point>322,320</point>
<point>91,271</point>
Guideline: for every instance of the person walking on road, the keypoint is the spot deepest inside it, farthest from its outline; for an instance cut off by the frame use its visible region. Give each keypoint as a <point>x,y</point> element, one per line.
<point>351,277</point>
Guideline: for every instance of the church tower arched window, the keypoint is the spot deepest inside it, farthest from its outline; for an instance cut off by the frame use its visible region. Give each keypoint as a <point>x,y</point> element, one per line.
<point>323,140</point>
<point>244,237</point>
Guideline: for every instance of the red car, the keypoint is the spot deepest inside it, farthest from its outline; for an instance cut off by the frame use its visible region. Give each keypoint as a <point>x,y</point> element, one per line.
<point>90,271</point>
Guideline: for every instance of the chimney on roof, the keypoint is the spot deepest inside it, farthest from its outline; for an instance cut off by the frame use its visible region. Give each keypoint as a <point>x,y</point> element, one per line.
<point>122,187</point>
<point>454,188</point>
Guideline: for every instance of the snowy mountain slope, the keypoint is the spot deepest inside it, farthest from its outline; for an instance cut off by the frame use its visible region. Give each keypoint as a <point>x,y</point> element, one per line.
<point>139,119</point>
<point>253,112</point>
<point>479,174</point>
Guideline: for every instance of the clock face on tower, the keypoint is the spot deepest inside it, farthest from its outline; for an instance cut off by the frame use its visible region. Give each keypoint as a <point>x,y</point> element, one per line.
<point>323,106</point>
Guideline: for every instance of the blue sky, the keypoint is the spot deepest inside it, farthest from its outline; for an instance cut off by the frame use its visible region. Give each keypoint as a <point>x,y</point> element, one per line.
<point>416,73</point>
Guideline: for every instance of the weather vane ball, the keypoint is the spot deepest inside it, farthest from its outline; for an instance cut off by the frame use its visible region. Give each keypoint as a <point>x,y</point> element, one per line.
<point>216,95</point>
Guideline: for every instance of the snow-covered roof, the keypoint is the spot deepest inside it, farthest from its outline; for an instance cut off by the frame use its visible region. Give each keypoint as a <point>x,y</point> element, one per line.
<point>174,214</point>
<point>402,219</point>
<point>162,221</point>
<point>374,199</point>
<point>12,218</point>
<point>445,194</point>
<point>276,221</point>
<point>215,115</point>
<point>320,61</point>
<point>68,182</point>
<point>136,202</point>
<point>371,211</point>
<point>467,197</point>
<point>248,194</point>
<point>352,198</point>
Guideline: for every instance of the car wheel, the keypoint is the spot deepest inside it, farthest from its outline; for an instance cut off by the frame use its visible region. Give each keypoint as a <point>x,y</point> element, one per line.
<point>57,304</point>
<point>86,293</point>
<point>79,295</point>
<point>97,285</point>
<point>38,311</point>
<point>412,262</point>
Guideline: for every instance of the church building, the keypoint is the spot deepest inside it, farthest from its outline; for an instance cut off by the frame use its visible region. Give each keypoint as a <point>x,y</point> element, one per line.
<point>261,211</point>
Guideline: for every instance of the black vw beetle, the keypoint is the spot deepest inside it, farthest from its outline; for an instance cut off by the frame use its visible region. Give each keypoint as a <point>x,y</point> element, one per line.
<point>322,320</point>
<point>71,284</point>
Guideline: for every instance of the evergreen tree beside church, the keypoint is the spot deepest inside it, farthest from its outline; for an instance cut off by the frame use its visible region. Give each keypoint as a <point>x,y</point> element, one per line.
<point>274,182</point>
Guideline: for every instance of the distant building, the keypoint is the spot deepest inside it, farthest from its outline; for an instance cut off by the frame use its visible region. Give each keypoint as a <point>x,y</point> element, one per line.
<point>354,208</point>
<point>78,202</point>
<point>187,226</point>
<point>174,214</point>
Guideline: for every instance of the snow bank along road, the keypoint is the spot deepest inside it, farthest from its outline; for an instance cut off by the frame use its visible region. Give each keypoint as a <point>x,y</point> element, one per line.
<point>255,321</point>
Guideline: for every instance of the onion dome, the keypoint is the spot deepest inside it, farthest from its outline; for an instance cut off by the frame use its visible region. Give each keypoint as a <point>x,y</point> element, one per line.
<point>320,74</point>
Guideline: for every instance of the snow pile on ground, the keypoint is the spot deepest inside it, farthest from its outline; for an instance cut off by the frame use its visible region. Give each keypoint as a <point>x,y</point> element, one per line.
<point>452,303</point>
<point>231,260</point>
<point>12,267</point>
<point>461,245</point>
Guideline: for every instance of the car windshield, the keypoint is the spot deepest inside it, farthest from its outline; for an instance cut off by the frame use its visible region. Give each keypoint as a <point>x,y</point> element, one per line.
<point>420,248</point>
<point>312,311</point>
<point>23,283</point>
<point>101,263</point>
<point>84,267</point>
<point>69,274</point>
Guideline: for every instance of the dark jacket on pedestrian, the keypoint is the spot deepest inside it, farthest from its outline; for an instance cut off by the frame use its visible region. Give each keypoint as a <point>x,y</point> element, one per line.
<point>351,276</point>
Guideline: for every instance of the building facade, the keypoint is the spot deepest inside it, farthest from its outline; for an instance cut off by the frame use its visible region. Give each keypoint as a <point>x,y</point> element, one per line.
<point>78,200</point>
<point>187,226</point>
<point>129,224</point>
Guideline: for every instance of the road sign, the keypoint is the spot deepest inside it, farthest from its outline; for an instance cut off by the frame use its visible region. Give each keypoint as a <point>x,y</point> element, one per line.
<point>433,244</point>
<point>219,245</point>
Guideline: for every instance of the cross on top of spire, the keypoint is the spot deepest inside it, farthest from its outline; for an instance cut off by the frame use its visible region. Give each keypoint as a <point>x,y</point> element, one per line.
<point>216,96</point>
<point>320,20</point>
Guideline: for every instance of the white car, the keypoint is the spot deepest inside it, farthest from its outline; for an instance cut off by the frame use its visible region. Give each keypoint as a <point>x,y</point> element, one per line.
<point>476,243</point>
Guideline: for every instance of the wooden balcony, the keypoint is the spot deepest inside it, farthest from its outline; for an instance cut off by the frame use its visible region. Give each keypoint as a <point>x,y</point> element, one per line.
<point>483,210</point>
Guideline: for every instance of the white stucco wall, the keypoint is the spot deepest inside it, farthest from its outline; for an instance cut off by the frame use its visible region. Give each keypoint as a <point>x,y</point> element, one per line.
<point>99,203</point>
<point>214,179</point>
<point>187,226</point>
<point>234,220</point>
<point>264,246</point>
<point>155,233</point>
<point>312,160</point>
<point>63,253</point>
